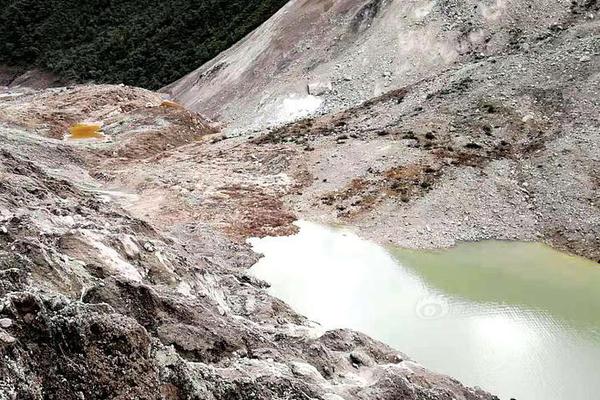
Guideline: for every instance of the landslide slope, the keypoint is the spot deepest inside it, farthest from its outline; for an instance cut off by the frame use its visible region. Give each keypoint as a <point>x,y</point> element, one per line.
<point>429,122</point>
<point>348,51</point>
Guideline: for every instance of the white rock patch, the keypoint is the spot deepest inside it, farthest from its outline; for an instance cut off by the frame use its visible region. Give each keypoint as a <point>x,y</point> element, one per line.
<point>295,107</point>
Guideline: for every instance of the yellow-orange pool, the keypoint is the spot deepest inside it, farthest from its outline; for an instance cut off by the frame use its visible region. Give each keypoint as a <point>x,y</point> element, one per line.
<point>85,130</point>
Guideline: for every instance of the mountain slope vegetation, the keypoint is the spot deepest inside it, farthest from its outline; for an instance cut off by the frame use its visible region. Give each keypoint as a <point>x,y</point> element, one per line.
<point>147,44</point>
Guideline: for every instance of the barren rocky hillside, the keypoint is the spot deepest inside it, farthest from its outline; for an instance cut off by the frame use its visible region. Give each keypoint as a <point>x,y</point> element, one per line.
<point>318,56</point>
<point>432,121</point>
<point>123,258</point>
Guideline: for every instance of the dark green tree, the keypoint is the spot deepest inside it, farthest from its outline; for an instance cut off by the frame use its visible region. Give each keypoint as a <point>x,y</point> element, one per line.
<point>147,43</point>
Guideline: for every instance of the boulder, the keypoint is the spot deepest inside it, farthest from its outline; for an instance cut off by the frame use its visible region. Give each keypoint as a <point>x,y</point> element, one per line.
<point>319,88</point>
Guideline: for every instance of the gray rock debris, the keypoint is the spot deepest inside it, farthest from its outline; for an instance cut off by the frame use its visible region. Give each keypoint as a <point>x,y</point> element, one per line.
<point>6,338</point>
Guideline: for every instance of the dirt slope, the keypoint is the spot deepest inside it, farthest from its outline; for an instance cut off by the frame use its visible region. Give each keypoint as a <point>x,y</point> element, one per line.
<point>485,127</point>
<point>348,51</point>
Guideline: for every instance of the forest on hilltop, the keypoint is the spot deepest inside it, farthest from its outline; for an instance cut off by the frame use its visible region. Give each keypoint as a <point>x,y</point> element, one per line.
<point>143,43</point>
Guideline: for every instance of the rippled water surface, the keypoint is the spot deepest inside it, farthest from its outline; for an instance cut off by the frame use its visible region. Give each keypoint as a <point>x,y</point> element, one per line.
<point>518,319</point>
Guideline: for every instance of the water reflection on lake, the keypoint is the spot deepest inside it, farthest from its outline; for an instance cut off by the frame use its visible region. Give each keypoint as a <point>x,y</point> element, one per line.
<point>518,319</point>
